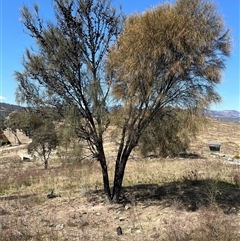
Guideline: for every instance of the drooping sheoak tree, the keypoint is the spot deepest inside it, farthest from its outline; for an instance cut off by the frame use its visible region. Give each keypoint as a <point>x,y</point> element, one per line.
<point>167,57</point>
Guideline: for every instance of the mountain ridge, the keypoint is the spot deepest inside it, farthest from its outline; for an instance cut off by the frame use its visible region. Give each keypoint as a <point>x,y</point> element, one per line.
<point>225,115</point>
<point>6,109</point>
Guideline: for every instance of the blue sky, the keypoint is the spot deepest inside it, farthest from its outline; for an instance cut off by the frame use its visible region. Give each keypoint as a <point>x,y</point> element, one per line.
<point>13,42</point>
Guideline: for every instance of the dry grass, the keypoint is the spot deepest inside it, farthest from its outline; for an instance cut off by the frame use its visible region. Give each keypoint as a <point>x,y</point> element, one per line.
<point>191,198</point>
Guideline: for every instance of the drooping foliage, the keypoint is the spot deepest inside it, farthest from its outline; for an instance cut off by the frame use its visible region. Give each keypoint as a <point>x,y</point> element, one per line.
<point>168,57</point>
<point>171,134</point>
<point>66,71</point>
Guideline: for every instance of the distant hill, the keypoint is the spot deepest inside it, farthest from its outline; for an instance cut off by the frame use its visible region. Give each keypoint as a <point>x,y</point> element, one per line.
<point>225,115</point>
<point>6,109</point>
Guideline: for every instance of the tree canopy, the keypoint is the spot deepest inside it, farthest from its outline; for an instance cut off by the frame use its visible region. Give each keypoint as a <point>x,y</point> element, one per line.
<point>149,64</point>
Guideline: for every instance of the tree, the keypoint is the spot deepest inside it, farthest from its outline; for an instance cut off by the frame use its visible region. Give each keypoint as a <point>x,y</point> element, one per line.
<point>66,71</point>
<point>172,134</point>
<point>169,56</point>
<point>13,123</point>
<point>32,121</point>
<point>44,141</point>
<point>26,122</point>
<point>166,58</point>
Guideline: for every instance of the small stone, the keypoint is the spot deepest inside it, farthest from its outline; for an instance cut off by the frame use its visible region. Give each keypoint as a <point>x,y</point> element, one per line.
<point>98,214</point>
<point>119,230</point>
<point>127,207</point>
<point>60,226</point>
<point>121,219</point>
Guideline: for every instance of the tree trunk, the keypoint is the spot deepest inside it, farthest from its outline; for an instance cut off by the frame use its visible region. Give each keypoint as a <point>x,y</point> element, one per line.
<point>118,177</point>
<point>106,180</point>
<point>102,160</point>
<point>45,163</point>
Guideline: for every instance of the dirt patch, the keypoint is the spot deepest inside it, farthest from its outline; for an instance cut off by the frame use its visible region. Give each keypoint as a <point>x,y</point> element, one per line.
<point>185,198</point>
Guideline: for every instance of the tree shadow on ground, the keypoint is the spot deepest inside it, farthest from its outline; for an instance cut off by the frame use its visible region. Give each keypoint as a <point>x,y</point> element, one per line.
<point>185,194</point>
<point>183,155</point>
<point>190,155</point>
<point>16,197</point>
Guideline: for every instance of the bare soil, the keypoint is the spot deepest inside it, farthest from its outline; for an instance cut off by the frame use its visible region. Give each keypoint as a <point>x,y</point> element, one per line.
<point>186,198</point>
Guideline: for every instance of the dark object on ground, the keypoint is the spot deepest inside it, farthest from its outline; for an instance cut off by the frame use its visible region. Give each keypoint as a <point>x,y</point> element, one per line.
<point>214,146</point>
<point>53,195</point>
<point>119,230</point>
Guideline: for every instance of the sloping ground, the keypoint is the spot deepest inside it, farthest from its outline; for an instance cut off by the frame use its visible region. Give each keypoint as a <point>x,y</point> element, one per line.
<point>191,198</point>
<point>163,200</point>
<point>226,133</point>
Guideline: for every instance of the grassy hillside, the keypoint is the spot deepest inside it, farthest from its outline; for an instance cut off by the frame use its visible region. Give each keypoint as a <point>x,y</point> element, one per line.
<point>190,198</point>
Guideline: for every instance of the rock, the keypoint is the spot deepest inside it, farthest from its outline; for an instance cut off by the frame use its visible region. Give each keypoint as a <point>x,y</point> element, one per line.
<point>127,207</point>
<point>119,231</point>
<point>24,155</point>
<point>60,226</point>
<point>53,195</point>
<point>121,218</point>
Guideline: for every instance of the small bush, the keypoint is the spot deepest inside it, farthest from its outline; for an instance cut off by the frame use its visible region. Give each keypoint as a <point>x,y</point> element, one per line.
<point>237,156</point>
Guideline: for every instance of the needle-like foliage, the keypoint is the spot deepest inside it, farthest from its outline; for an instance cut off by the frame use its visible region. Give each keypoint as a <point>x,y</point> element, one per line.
<point>166,57</point>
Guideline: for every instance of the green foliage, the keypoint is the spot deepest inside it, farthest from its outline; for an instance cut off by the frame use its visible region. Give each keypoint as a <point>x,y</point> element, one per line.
<point>15,121</point>
<point>170,134</point>
<point>44,141</point>
<point>27,122</point>
<point>237,156</point>
<point>67,70</point>
<point>169,57</point>
<point>70,147</point>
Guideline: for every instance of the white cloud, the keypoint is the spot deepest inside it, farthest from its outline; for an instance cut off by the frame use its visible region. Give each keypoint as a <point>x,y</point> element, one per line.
<point>2,98</point>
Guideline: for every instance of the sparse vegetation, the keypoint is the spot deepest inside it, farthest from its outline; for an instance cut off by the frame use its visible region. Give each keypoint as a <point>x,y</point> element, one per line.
<point>185,198</point>
<point>159,86</point>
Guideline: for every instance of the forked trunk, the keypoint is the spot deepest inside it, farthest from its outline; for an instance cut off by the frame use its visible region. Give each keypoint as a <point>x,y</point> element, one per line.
<point>118,178</point>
